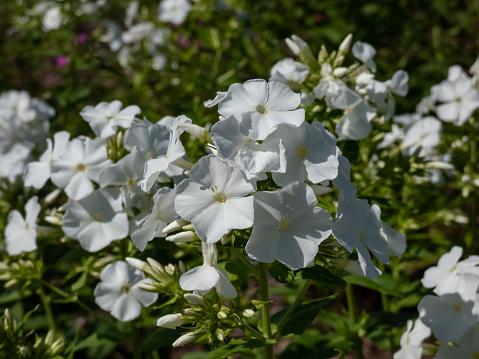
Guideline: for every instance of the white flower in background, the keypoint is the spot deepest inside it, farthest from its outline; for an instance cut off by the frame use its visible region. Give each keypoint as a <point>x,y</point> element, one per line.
<point>451,314</point>
<point>112,34</point>
<point>79,163</point>
<point>12,162</point>
<point>466,347</point>
<point>425,133</point>
<point>174,11</point>
<point>96,220</point>
<point>396,135</point>
<point>52,18</point>
<point>162,213</point>
<point>449,265</point>
<point>218,98</point>
<point>310,151</point>
<point>358,227</point>
<point>288,226</point>
<point>251,157</point>
<point>382,93</point>
<point>21,233</point>
<point>106,117</point>
<point>151,139</point>
<point>260,107</point>
<point>364,52</point>
<point>176,151</point>
<point>412,339</point>
<point>24,108</point>
<point>137,32</point>
<point>355,123</point>
<point>208,276</point>
<point>213,199</point>
<point>37,173</point>
<point>290,72</point>
<point>458,96</point>
<point>131,13</point>
<point>334,91</point>
<point>396,240</point>
<point>118,291</point>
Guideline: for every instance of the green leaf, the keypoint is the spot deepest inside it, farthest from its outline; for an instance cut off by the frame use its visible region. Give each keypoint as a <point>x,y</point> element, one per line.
<point>382,284</point>
<point>235,346</point>
<point>91,341</point>
<point>160,338</point>
<point>302,315</point>
<point>281,273</point>
<point>322,276</point>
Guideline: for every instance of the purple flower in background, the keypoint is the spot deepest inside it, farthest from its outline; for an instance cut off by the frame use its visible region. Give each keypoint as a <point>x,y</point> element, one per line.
<point>82,37</point>
<point>61,61</point>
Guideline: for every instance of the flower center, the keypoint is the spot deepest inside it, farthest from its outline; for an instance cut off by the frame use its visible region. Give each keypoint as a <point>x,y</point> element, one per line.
<point>126,289</point>
<point>284,224</point>
<point>457,307</point>
<point>111,117</point>
<point>97,217</point>
<point>131,182</point>
<point>261,109</point>
<point>302,152</point>
<point>220,197</point>
<point>453,268</point>
<point>81,167</point>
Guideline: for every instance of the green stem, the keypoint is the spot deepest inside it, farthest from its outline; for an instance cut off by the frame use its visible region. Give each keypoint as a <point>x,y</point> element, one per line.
<point>66,295</point>
<point>265,315</point>
<point>47,308</point>
<point>292,307</point>
<point>253,331</point>
<point>353,317</point>
<point>155,355</point>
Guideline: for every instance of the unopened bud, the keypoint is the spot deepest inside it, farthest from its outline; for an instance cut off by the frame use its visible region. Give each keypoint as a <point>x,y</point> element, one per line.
<point>346,44</point>
<point>184,164</point>
<point>170,321</point>
<point>297,45</point>
<point>194,299</point>
<point>138,264</point>
<point>52,196</point>
<point>182,237</point>
<point>148,287</point>
<point>220,334</point>
<point>248,313</point>
<point>175,226</point>
<point>188,227</point>
<point>185,339</point>
<point>222,315</point>
<point>340,71</point>
<point>56,221</point>
<point>319,189</point>
<point>196,131</point>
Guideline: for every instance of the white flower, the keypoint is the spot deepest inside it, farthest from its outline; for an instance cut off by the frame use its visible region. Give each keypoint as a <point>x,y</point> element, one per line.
<point>96,220</point>
<point>355,123</point>
<point>118,291</point>
<point>289,72</point>
<point>288,226</point>
<point>358,227</point>
<point>170,321</point>
<point>342,182</point>
<point>424,133</point>
<point>23,108</point>
<point>105,117</point>
<point>364,52</point>
<point>52,18</point>
<point>412,339</point>
<point>460,99</point>
<point>297,45</point>
<point>37,173</point>
<point>449,265</point>
<point>79,163</point>
<point>335,92</point>
<point>260,107</point>
<point>450,315</point>
<point>174,11</point>
<point>206,277</point>
<point>310,151</point>
<point>137,32</point>
<point>467,346</point>
<point>213,199</point>
<point>21,233</point>
<point>218,98</point>
<point>162,213</point>
<point>12,162</point>
<point>251,157</point>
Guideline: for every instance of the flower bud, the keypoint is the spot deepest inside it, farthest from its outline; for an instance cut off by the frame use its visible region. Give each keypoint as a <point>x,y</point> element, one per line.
<point>184,164</point>
<point>346,44</point>
<point>185,339</point>
<point>248,313</point>
<point>182,237</point>
<point>170,321</point>
<point>194,299</point>
<point>340,71</point>
<point>174,226</point>
<point>222,315</point>
<point>297,45</point>
<point>138,264</point>
<point>196,131</point>
<point>52,196</point>
<point>320,190</point>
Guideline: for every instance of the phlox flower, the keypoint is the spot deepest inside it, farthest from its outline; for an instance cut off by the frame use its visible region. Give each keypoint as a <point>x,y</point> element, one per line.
<point>105,117</point>
<point>288,226</point>
<point>208,276</point>
<point>12,162</point>
<point>162,213</point>
<point>467,346</point>
<point>174,11</point>
<point>358,227</point>
<point>289,72</point>
<point>412,339</point>
<point>342,182</point>
<point>396,240</point>
<point>251,157</point>
<point>452,313</point>
<point>218,98</point>
<point>118,291</point>
<point>334,91</point>
<point>364,52</point>
<point>310,151</point>
<point>154,167</point>
<point>260,107</point>
<point>449,265</point>
<point>151,139</point>
<point>137,32</point>
<point>21,233</point>
<point>24,108</point>
<point>79,163</point>
<point>37,173</point>
<point>96,220</point>
<point>425,133</point>
<point>458,96</point>
<point>355,123</point>
<point>213,199</point>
